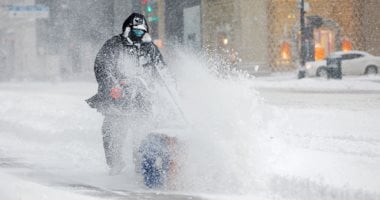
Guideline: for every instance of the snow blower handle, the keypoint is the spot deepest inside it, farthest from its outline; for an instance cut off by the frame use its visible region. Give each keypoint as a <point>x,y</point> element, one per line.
<point>179,108</point>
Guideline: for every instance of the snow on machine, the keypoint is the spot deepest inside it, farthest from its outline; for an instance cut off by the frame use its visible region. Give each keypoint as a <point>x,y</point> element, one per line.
<point>156,158</point>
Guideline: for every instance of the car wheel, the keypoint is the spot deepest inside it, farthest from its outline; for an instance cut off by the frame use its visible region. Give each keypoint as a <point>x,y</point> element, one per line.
<point>322,73</point>
<point>371,70</point>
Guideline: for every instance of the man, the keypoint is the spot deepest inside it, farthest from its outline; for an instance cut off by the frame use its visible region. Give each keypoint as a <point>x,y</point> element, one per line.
<point>121,59</point>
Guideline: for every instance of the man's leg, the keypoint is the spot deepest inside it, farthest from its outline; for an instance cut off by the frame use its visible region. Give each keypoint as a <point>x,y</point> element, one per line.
<point>113,139</point>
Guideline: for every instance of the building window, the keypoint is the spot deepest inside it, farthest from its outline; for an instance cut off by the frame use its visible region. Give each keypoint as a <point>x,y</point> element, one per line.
<point>286,53</point>
<point>319,52</point>
<point>324,43</point>
<point>346,44</point>
<point>222,40</point>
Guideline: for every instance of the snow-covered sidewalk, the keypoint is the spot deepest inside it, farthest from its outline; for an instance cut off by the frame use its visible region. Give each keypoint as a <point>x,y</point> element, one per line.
<point>314,150</point>
<point>349,84</point>
<point>14,188</point>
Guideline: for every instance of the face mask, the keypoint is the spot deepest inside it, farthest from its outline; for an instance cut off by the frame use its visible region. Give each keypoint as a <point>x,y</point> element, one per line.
<point>138,33</point>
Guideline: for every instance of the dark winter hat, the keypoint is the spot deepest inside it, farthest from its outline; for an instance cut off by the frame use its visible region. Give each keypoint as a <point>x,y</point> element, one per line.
<point>136,20</point>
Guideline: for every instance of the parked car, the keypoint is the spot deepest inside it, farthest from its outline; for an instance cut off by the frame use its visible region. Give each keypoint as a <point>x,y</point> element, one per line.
<point>353,63</point>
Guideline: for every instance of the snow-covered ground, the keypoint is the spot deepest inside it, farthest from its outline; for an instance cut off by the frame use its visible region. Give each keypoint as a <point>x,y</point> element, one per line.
<point>329,144</point>
<point>266,138</point>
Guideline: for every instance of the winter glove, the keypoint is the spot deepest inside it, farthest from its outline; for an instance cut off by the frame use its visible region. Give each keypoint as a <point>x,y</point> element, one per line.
<point>115,92</point>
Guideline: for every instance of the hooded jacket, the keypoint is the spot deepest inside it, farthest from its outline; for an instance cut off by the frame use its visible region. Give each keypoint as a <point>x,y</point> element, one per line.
<point>120,57</point>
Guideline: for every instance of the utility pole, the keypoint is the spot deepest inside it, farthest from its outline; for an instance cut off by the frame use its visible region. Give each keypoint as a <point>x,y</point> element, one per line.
<point>301,70</point>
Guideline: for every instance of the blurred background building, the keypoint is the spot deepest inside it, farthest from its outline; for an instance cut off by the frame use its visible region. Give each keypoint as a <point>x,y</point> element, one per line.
<point>332,26</point>
<point>17,38</point>
<point>47,38</point>
<point>267,33</point>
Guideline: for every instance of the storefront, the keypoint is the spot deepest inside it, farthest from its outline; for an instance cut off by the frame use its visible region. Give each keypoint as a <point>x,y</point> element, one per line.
<point>267,33</point>
<point>338,27</point>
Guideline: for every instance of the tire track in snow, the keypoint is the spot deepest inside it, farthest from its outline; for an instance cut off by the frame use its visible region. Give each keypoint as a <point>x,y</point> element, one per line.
<point>351,145</point>
<point>125,194</point>
<point>300,189</point>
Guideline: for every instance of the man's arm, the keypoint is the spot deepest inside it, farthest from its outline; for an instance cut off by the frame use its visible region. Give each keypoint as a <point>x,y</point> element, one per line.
<point>158,60</point>
<point>104,65</point>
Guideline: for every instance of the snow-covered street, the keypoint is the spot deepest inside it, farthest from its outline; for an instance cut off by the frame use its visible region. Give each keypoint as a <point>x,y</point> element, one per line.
<point>332,145</point>
<point>190,100</point>
<point>319,140</point>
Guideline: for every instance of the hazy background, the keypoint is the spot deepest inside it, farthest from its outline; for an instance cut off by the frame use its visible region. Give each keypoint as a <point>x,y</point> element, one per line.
<point>59,39</point>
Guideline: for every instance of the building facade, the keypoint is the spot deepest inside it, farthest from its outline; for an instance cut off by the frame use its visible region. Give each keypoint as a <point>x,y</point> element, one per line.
<point>266,33</point>
<point>18,41</point>
<point>254,35</point>
<point>183,22</point>
<point>339,28</point>
<point>239,27</point>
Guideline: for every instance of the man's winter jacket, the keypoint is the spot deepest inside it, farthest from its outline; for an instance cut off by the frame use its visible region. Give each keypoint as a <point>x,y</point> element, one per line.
<point>117,59</point>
